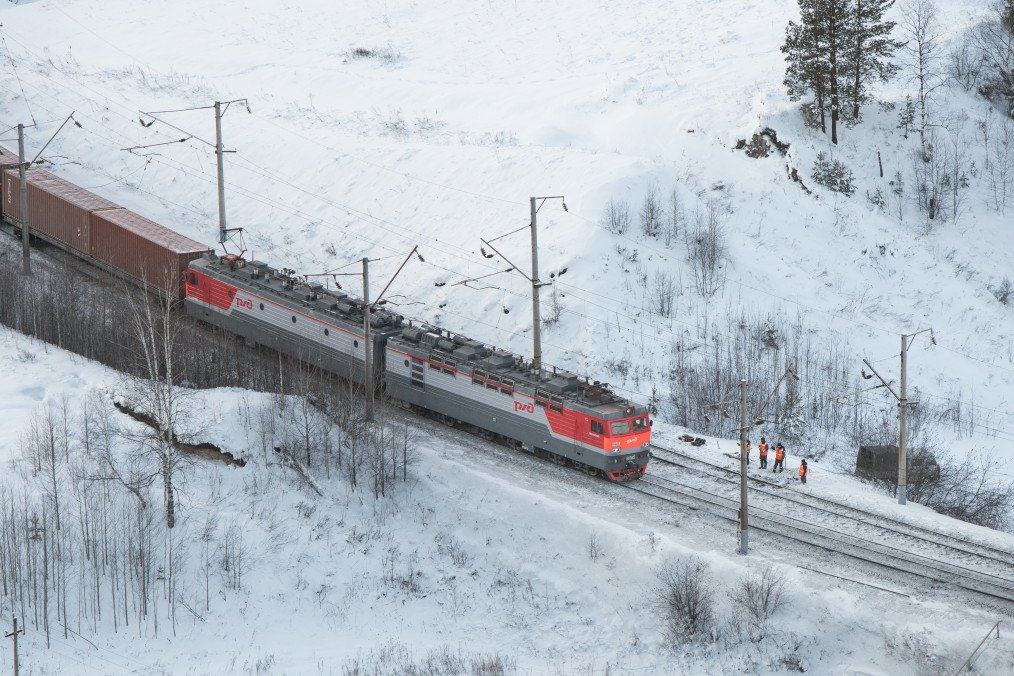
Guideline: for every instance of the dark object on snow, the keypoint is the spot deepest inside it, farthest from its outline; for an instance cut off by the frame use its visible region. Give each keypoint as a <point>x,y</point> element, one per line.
<point>880,463</point>
<point>697,442</point>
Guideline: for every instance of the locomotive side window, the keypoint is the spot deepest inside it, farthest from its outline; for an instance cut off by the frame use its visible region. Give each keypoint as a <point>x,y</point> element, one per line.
<point>262,306</point>
<point>621,427</point>
<point>640,424</point>
<point>507,386</point>
<point>540,398</point>
<point>327,332</point>
<point>191,279</point>
<point>293,319</point>
<point>597,428</point>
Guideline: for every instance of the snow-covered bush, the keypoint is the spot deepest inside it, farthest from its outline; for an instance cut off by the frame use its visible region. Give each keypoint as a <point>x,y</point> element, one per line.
<point>833,174</point>
<point>760,595</point>
<point>651,212</point>
<point>685,598</point>
<point>616,217</point>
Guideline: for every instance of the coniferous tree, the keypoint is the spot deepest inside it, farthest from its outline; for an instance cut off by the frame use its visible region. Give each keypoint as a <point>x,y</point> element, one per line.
<point>817,50</point>
<point>870,57</point>
<point>805,73</point>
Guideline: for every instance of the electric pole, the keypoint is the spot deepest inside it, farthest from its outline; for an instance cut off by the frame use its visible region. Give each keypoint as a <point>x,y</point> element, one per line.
<point>367,311</point>
<point>14,635</point>
<point>220,108</point>
<point>744,526</point>
<point>903,404</point>
<point>26,256</point>
<point>368,353</point>
<point>536,311</point>
<point>745,425</point>
<point>536,204</point>
<point>220,155</point>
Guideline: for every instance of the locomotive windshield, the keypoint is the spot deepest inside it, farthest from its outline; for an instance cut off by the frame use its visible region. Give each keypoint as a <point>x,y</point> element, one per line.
<point>621,427</point>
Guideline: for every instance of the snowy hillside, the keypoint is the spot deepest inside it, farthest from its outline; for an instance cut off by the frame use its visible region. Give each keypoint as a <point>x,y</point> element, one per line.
<point>380,125</point>
<point>376,126</point>
<point>485,557</point>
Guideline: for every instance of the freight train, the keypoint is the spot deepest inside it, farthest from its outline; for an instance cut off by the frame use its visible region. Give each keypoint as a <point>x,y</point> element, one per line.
<point>548,412</point>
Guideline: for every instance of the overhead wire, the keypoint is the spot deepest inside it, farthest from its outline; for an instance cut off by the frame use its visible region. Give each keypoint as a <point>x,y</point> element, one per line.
<point>400,229</point>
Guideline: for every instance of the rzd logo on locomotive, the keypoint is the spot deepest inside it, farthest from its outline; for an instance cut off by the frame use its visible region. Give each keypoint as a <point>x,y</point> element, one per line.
<point>521,406</point>
<point>244,303</point>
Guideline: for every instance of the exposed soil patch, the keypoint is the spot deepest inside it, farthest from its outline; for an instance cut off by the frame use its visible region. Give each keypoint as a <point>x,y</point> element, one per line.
<point>205,450</point>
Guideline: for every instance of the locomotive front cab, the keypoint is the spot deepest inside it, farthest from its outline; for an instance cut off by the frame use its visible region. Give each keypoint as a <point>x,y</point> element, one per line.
<point>627,441</point>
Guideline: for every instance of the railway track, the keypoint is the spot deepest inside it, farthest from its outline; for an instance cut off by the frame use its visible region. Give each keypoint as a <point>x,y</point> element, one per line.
<point>995,580</point>
<point>810,532</point>
<point>844,516</point>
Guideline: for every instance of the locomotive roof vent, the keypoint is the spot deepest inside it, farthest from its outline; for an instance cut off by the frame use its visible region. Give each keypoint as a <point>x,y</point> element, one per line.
<point>445,344</point>
<point>412,333</point>
<point>345,307</point>
<point>430,338</point>
<point>500,359</point>
<point>471,351</point>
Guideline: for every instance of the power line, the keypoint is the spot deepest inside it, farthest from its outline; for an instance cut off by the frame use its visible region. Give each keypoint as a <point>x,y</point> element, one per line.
<point>640,243</point>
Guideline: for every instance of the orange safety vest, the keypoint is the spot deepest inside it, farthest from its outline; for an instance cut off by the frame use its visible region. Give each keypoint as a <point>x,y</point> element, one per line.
<point>763,448</point>
<point>802,470</point>
<point>779,453</point>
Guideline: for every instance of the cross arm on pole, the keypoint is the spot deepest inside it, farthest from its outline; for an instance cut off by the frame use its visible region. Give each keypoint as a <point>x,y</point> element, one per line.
<point>415,252</point>
<point>886,384</point>
<point>516,268</point>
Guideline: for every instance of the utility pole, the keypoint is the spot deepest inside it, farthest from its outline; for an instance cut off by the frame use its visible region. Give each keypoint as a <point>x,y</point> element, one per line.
<point>23,165</point>
<point>536,310</point>
<point>367,311</point>
<point>220,108</point>
<point>745,425</point>
<point>368,352</point>
<point>26,256</point>
<point>536,204</point>
<point>220,155</point>
<point>14,635</point>
<point>744,526</point>
<point>903,404</point>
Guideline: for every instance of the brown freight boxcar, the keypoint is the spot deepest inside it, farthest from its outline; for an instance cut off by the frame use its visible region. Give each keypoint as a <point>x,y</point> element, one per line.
<point>143,250</point>
<point>99,230</point>
<point>58,211</point>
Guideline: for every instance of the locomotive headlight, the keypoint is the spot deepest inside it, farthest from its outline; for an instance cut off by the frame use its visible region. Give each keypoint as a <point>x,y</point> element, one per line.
<point>645,445</point>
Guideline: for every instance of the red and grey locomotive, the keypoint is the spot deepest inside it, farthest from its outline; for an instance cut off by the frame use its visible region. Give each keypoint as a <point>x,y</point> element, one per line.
<point>549,412</point>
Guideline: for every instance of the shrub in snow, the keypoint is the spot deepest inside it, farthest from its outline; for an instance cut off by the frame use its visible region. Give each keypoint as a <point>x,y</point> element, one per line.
<point>685,598</point>
<point>833,175</point>
<point>651,212</point>
<point>616,217</point>
<point>761,595</point>
<point>1002,291</point>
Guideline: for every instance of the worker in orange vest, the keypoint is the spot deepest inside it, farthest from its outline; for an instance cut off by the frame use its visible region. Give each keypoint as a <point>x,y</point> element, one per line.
<point>803,471</point>
<point>779,459</point>
<point>762,448</point>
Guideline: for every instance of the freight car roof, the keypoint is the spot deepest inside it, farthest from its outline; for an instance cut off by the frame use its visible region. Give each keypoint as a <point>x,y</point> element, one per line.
<point>65,190</point>
<point>152,231</point>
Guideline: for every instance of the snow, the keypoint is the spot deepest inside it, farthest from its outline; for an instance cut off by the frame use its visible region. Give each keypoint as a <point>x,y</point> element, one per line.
<point>461,112</point>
